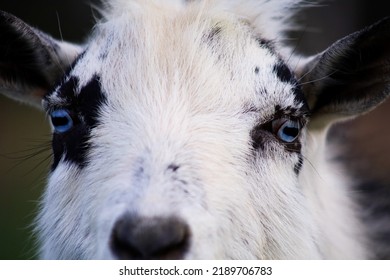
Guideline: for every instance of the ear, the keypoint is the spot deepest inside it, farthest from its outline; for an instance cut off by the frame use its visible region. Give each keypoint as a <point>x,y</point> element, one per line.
<point>349,78</point>
<point>30,61</point>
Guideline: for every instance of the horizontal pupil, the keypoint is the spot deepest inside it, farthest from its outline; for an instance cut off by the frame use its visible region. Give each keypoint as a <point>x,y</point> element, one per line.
<point>291,131</point>
<point>60,121</point>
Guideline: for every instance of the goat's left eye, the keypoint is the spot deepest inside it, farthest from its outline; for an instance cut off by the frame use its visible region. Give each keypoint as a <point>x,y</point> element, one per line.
<point>61,120</point>
<point>286,130</point>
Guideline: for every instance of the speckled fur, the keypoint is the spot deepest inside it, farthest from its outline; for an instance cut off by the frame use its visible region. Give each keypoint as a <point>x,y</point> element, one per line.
<point>174,138</point>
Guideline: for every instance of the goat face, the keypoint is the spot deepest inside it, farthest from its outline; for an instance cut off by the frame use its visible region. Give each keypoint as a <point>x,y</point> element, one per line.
<point>176,129</point>
<point>180,136</point>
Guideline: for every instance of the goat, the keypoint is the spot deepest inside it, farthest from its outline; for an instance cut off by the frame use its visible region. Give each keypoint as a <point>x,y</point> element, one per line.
<point>188,130</point>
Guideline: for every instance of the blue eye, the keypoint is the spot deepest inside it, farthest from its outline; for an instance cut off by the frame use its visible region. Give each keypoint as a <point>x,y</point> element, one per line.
<point>61,120</point>
<point>286,130</point>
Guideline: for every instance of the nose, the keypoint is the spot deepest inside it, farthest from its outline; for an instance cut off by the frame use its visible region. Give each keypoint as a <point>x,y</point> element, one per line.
<point>138,238</point>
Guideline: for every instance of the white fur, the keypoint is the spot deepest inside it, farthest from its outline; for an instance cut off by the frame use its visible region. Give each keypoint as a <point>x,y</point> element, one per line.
<point>173,98</point>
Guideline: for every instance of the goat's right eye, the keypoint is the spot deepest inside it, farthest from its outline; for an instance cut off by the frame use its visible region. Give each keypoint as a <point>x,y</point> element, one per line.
<point>287,130</point>
<point>61,121</point>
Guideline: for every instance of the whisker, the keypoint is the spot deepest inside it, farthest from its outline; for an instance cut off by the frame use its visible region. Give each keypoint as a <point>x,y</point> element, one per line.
<point>319,79</point>
<point>312,166</point>
<point>41,152</point>
<point>293,52</point>
<point>59,26</point>
<point>39,164</point>
<point>300,37</point>
<point>59,63</point>
<point>18,155</point>
<point>307,160</point>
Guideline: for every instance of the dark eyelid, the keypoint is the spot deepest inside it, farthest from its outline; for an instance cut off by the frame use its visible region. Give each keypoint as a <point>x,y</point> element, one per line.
<point>289,113</point>
<point>49,105</point>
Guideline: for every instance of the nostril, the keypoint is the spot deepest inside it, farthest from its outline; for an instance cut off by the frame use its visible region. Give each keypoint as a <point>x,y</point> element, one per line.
<point>134,237</point>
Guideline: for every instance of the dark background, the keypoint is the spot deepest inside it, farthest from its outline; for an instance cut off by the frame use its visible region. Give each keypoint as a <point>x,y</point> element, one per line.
<point>24,131</point>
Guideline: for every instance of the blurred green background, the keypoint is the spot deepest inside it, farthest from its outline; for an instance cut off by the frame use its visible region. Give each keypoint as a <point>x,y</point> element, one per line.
<point>24,130</point>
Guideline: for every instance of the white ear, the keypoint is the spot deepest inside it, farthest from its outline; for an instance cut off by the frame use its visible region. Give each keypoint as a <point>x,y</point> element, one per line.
<point>349,78</point>
<point>31,61</point>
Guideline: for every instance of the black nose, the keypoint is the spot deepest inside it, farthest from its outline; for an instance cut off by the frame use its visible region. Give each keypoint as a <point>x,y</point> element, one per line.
<point>138,238</point>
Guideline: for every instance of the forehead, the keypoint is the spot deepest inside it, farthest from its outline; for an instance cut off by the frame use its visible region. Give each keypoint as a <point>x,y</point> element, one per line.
<point>209,62</point>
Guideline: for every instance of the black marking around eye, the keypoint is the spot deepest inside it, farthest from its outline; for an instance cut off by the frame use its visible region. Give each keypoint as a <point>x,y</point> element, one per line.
<point>73,146</point>
<point>261,137</point>
<point>67,90</point>
<point>89,101</point>
<point>263,133</point>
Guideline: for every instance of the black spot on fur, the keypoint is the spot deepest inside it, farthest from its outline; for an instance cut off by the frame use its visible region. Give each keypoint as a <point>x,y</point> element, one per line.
<point>184,182</point>
<point>103,55</point>
<point>267,44</point>
<point>213,34</point>
<point>298,166</point>
<point>139,173</point>
<point>249,108</point>
<point>104,51</point>
<point>173,167</point>
<point>257,70</point>
<point>84,108</point>
<point>300,98</point>
<point>245,241</point>
<point>283,73</point>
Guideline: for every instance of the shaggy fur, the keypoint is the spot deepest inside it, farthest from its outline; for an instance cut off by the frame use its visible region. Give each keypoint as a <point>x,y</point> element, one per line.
<point>177,108</point>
